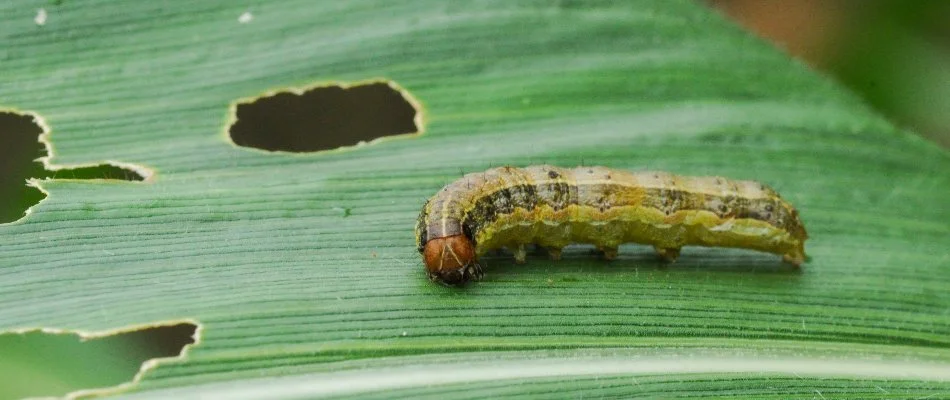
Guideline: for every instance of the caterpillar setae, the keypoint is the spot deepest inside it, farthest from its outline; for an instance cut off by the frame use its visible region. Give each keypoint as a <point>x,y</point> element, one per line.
<point>552,207</point>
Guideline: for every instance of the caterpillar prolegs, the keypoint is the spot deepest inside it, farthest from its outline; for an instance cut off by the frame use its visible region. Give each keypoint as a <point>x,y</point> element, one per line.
<point>552,207</point>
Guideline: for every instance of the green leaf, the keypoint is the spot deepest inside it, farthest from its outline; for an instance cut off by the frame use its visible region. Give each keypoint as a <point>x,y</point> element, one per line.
<point>295,298</point>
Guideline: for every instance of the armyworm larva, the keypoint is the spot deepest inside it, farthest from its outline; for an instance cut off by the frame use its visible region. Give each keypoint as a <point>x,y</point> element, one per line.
<point>552,207</point>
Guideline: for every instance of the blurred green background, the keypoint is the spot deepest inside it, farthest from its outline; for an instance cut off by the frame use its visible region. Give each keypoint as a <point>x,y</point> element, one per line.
<point>894,53</point>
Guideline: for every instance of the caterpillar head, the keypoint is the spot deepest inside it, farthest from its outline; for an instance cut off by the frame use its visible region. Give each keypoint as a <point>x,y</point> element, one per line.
<point>451,260</point>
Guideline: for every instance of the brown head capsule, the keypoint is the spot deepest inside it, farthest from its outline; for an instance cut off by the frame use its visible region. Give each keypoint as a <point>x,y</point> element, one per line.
<point>551,207</point>
<point>451,260</point>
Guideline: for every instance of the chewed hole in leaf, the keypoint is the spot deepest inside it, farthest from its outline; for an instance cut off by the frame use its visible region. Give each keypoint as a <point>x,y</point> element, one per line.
<point>20,153</point>
<point>105,171</point>
<point>325,117</point>
<point>20,149</point>
<point>53,364</point>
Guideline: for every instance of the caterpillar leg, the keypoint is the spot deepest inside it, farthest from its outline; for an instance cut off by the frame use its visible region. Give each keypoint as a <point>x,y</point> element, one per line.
<point>610,253</point>
<point>475,271</point>
<point>520,254</point>
<point>555,253</point>
<point>668,254</point>
<point>795,259</point>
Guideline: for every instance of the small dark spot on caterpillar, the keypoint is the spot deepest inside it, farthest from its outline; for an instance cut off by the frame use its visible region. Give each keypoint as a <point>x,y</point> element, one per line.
<point>723,209</point>
<point>719,181</point>
<point>769,208</point>
<point>590,171</point>
<point>553,174</point>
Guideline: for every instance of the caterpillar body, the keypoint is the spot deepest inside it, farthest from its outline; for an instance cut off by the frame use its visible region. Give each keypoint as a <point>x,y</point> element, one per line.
<point>552,207</point>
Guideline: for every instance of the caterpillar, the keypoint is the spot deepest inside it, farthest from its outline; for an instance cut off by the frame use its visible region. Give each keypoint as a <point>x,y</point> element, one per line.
<point>552,207</point>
